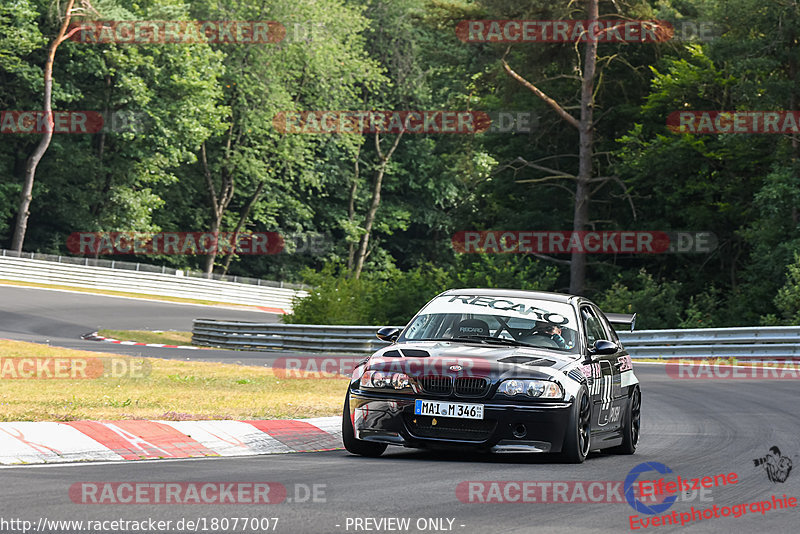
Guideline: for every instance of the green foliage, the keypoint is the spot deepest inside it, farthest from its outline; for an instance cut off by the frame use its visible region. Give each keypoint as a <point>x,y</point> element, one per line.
<point>374,54</point>
<point>374,299</point>
<point>507,271</point>
<point>393,297</point>
<point>19,36</point>
<point>788,298</point>
<point>703,310</point>
<point>335,299</point>
<point>655,302</point>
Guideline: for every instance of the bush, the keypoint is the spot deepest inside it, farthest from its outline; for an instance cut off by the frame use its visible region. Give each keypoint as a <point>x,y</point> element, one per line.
<point>394,296</point>
<point>702,310</point>
<point>334,299</point>
<point>655,303</point>
<point>788,298</point>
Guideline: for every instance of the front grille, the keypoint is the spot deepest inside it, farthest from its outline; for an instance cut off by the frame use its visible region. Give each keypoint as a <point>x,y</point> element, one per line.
<point>471,386</point>
<point>449,428</point>
<point>438,385</point>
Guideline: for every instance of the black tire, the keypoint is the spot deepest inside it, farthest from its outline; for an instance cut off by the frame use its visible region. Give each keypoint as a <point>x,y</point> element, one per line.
<point>630,430</point>
<point>353,445</point>
<point>578,438</point>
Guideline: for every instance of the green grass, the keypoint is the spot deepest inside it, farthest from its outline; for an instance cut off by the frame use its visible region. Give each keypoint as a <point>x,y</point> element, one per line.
<point>146,336</point>
<point>169,389</point>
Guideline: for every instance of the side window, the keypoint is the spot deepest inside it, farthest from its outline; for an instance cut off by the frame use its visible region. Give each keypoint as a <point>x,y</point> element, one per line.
<point>611,334</point>
<point>592,326</point>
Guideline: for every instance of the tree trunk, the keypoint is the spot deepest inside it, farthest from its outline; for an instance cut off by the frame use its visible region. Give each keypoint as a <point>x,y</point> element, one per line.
<point>243,219</point>
<point>219,203</point>
<point>580,218</point>
<point>585,127</point>
<point>44,143</point>
<point>383,160</point>
<point>208,268</point>
<point>351,209</point>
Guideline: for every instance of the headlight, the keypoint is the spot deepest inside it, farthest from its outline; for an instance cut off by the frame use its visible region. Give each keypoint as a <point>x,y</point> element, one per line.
<point>540,389</point>
<point>381,380</point>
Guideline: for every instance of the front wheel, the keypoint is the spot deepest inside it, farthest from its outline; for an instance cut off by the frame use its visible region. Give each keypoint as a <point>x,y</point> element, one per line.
<point>353,445</point>
<point>579,430</point>
<point>630,430</point>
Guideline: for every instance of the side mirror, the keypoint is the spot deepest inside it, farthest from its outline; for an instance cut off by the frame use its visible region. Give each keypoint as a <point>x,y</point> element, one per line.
<point>603,346</point>
<point>388,334</point>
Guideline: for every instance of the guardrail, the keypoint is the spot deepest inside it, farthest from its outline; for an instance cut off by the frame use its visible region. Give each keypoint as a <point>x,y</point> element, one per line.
<point>754,342</point>
<point>144,267</point>
<point>276,336</point>
<point>144,281</point>
<point>741,343</point>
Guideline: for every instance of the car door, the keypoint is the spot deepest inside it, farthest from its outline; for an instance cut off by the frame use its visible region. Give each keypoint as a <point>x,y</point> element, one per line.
<point>605,388</point>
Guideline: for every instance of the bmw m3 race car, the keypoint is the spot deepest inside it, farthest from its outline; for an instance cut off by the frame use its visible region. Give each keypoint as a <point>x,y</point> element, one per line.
<point>501,371</point>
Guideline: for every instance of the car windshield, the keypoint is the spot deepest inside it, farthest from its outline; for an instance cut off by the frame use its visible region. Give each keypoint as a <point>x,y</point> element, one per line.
<point>496,321</point>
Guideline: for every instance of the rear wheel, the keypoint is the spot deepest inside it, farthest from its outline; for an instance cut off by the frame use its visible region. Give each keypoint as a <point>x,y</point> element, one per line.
<point>353,445</point>
<point>630,431</point>
<point>579,430</point>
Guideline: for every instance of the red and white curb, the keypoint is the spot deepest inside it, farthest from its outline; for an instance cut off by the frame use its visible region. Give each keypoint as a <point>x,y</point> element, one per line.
<point>94,336</point>
<point>78,441</point>
<point>279,311</point>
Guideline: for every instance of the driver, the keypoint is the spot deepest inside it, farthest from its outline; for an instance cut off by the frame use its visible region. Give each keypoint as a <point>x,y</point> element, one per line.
<point>554,332</point>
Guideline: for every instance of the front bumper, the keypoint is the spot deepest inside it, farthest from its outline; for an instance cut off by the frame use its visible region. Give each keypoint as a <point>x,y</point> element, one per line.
<point>506,427</point>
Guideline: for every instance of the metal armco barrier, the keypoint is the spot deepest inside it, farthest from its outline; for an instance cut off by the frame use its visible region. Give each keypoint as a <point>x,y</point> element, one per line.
<point>742,343</point>
<point>144,282</point>
<point>752,342</point>
<point>276,336</point>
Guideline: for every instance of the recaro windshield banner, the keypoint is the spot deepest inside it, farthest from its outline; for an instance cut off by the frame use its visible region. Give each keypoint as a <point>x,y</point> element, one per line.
<point>537,310</point>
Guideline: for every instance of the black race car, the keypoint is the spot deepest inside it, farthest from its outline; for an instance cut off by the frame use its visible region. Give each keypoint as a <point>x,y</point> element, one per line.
<point>498,370</point>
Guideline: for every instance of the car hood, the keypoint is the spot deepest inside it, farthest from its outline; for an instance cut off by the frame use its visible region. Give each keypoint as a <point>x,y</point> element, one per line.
<point>470,359</point>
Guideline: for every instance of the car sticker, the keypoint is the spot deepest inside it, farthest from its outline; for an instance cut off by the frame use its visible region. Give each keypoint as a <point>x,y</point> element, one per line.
<point>523,308</point>
<point>629,379</point>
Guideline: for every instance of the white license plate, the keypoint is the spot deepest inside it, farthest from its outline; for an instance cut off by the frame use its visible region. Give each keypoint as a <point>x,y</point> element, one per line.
<point>448,409</point>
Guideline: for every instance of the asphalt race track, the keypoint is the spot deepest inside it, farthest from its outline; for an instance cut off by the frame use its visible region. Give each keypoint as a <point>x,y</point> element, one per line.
<point>59,318</point>
<point>695,427</point>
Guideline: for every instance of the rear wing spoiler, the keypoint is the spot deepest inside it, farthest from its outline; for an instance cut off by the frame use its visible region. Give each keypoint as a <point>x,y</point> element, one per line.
<point>622,318</point>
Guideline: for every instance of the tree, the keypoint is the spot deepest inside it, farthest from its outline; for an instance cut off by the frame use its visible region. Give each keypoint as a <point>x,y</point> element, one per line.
<point>585,126</point>
<point>392,42</point>
<point>118,178</point>
<point>369,220</point>
<point>33,161</point>
<point>19,37</point>
<point>321,64</point>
